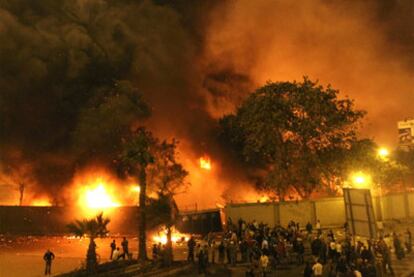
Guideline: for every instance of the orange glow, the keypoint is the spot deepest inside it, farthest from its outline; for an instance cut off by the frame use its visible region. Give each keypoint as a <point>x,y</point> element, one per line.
<point>161,237</point>
<point>43,202</point>
<point>264,199</point>
<point>205,163</point>
<point>97,196</point>
<point>135,188</point>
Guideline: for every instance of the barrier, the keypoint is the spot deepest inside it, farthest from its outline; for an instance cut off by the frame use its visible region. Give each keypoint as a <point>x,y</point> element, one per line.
<point>330,211</point>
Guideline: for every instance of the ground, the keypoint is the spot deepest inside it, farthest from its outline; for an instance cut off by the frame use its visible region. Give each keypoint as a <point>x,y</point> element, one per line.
<point>22,256</point>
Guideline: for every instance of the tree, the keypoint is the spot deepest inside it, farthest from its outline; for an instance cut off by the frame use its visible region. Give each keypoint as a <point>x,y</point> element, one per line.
<point>136,156</point>
<point>167,177</point>
<point>406,158</point>
<point>91,228</point>
<point>286,131</point>
<point>363,156</point>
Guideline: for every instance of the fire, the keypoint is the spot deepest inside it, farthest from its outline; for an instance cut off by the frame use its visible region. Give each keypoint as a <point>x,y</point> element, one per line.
<point>41,202</point>
<point>98,195</point>
<point>135,188</point>
<point>264,199</point>
<point>205,163</point>
<point>161,237</point>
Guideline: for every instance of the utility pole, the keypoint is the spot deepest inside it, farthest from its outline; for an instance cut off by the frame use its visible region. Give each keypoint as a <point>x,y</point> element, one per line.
<point>21,190</point>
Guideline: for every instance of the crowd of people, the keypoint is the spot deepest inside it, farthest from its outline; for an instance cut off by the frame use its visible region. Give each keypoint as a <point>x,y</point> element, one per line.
<point>320,252</point>
<point>116,253</point>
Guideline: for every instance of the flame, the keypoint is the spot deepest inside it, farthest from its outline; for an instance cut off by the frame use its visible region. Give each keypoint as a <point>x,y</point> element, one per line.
<point>42,202</point>
<point>264,199</point>
<point>97,196</point>
<point>135,188</point>
<point>161,237</point>
<point>205,163</point>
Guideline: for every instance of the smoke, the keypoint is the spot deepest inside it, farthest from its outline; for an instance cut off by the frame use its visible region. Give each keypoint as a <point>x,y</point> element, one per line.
<point>75,75</point>
<point>365,49</point>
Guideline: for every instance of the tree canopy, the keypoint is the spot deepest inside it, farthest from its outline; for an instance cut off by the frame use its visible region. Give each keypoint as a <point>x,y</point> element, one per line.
<point>289,132</point>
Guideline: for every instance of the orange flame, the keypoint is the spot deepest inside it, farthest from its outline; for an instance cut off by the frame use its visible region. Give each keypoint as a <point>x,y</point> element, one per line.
<point>42,202</point>
<point>97,196</point>
<point>205,163</point>
<point>161,237</point>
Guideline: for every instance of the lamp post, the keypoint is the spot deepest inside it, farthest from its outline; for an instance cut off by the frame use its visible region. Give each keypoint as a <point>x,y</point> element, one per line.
<point>383,154</point>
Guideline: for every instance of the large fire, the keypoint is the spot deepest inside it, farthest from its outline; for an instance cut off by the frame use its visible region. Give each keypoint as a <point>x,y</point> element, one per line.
<point>176,237</point>
<point>98,197</point>
<point>97,194</point>
<point>205,163</point>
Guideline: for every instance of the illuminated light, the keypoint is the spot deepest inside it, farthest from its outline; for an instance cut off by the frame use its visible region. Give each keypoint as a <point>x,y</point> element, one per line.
<point>135,188</point>
<point>205,163</point>
<point>97,196</point>
<point>383,153</point>
<point>361,180</point>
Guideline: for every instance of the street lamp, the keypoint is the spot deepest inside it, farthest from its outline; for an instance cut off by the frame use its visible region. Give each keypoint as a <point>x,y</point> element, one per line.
<point>383,153</point>
<point>361,180</point>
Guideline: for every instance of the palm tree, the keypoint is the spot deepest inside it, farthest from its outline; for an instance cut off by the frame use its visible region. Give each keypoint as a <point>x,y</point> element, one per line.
<point>91,228</point>
<point>136,157</point>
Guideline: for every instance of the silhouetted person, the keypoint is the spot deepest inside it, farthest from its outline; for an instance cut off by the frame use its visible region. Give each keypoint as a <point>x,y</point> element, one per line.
<point>307,272</point>
<point>154,252</point>
<point>124,245</point>
<point>202,266</point>
<point>48,257</point>
<point>191,245</point>
<point>113,247</point>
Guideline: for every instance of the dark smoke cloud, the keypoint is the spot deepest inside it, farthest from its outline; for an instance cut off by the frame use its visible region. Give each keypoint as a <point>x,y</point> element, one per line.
<point>75,74</point>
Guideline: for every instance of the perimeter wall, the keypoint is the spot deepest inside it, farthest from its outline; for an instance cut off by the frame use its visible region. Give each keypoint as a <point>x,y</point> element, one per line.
<point>330,211</point>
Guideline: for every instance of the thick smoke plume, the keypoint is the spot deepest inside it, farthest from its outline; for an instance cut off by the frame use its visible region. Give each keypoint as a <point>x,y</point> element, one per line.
<point>75,75</point>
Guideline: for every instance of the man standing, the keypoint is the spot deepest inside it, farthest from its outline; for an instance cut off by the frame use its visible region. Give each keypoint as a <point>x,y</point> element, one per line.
<point>191,244</point>
<point>113,247</point>
<point>48,257</point>
<point>124,245</point>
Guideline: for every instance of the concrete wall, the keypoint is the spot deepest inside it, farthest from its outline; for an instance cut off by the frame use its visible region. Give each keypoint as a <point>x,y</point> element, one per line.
<point>261,212</point>
<point>301,211</point>
<point>393,207</point>
<point>410,198</point>
<point>330,211</point>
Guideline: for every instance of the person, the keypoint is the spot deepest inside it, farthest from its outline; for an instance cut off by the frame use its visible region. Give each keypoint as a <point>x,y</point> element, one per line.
<point>399,251</point>
<point>263,261</point>
<point>48,257</point>
<point>386,257</point>
<point>318,227</point>
<point>124,245</point>
<point>201,261</point>
<point>154,252</point>
<point>309,228</point>
<point>116,255</point>
<point>307,272</point>
<point>213,251</point>
<point>317,269</point>
<point>356,272</point>
<point>300,250</point>
<point>408,242</point>
<point>191,245</point>
<point>221,250</point>
<point>232,253</point>
<point>113,247</point>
